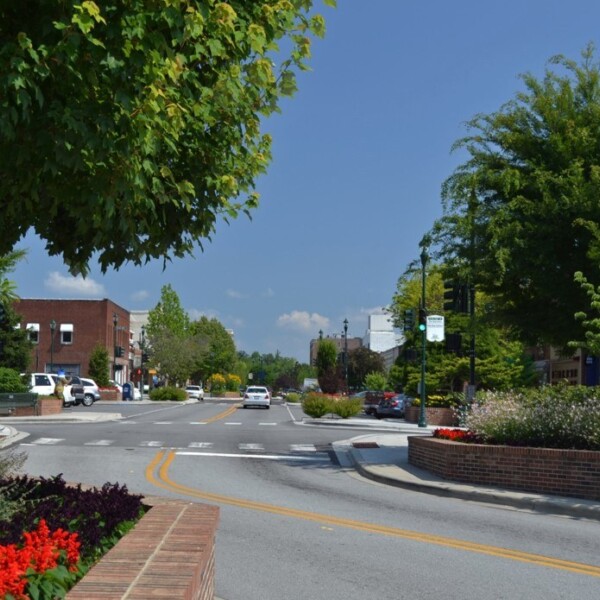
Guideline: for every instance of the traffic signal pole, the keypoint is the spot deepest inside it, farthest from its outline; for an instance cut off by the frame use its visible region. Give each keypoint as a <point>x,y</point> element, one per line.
<point>423,328</point>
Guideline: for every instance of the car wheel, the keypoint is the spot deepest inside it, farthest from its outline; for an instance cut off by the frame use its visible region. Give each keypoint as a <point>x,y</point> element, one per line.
<point>268,406</point>
<point>88,400</point>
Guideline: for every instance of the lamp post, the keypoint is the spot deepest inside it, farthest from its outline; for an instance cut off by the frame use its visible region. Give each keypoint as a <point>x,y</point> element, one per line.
<point>143,347</point>
<point>52,329</point>
<point>423,326</point>
<point>115,322</point>
<point>346,354</point>
<point>320,334</point>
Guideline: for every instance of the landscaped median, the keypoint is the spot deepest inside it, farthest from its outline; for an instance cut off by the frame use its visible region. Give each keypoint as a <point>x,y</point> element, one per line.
<point>562,472</point>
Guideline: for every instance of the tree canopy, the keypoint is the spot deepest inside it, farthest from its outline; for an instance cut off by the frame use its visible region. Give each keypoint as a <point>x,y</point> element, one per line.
<point>127,129</point>
<point>522,213</point>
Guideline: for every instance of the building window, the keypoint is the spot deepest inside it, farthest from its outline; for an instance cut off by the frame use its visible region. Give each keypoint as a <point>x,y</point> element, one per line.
<point>66,333</point>
<point>33,332</point>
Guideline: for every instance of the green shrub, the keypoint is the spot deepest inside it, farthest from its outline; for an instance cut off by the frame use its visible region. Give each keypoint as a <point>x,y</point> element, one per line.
<point>293,397</point>
<point>346,407</point>
<point>316,405</point>
<point>168,393</point>
<point>11,381</point>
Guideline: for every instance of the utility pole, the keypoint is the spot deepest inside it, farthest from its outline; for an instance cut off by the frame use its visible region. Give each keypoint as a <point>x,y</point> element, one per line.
<point>423,328</point>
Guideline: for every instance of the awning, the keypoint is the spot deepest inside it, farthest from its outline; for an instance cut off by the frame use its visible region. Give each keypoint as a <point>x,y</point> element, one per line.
<point>33,327</point>
<point>66,326</point>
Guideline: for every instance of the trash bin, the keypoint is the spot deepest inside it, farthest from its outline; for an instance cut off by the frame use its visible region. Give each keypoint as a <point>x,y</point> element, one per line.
<point>127,391</point>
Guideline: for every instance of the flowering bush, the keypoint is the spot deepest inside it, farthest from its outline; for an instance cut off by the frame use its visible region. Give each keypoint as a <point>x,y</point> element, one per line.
<point>44,565</point>
<point>457,435</point>
<point>232,382</point>
<point>551,417</point>
<point>217,383</point>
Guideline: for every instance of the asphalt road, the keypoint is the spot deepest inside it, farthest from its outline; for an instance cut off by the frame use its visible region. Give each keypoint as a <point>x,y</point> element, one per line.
<point>295,525</point>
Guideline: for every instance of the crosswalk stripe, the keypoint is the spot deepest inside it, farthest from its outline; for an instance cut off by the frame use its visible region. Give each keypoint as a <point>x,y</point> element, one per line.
<point>251,447</point>
<point>48,441</point>
<point>151,444</point>
<point>200,445</point>
<point>303,448</point>
<point>99,443</point>
<point>268,423</point>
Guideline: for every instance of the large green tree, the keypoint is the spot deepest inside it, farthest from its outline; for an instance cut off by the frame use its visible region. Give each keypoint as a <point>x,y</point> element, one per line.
<point>362,361</point>
<point>143,116</point>
<point>217,353</point>
<point>522,213</point>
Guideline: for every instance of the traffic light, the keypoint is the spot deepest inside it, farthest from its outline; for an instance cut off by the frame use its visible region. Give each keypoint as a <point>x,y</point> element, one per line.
<point>454,343</point>
<point>144,357</point>
<point>456,297</point>
<point>2,313</point>
<point>422,319</point>
<point>409,319</point>
<point>119,351</point>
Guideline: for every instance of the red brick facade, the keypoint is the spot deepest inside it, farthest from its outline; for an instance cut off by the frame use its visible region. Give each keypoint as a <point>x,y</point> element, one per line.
<point>445,417</point>
<point>541,470</point>
<point>92,323</point>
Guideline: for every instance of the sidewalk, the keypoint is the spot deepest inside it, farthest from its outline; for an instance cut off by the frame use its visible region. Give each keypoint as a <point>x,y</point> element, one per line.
<point>380,455</point>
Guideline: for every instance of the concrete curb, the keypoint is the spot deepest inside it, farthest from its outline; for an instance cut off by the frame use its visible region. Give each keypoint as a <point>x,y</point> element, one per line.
<point>409,479</point>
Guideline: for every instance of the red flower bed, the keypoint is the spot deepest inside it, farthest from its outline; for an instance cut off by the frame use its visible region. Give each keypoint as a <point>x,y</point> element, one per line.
<point>41,551</point>
<point>457,435</point>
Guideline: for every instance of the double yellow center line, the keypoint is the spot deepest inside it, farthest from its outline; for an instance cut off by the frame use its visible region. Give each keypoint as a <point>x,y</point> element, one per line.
<point>157,473</point>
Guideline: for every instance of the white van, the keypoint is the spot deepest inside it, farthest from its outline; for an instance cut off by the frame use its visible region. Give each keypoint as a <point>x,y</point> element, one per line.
<point>44,384</point>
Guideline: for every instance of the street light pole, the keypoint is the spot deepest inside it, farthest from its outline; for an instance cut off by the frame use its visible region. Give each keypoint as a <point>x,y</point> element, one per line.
<point>52,329</point>
<point>143,348</point>
<point>115,322</point>
<point>422,414</point>
<point>346,353</point>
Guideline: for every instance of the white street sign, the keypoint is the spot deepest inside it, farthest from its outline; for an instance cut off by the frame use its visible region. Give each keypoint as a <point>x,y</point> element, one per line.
<point>435,328</point>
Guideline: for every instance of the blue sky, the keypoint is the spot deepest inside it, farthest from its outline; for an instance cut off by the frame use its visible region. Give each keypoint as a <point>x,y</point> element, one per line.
<point>359,156</point>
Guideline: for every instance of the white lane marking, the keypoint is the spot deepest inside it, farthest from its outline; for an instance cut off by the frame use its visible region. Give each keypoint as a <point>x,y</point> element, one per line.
<point>198,423</point>
<point>151,444</point>
<point>99,443</point>
<point>163,422</point>
<point>201,445</point>
<point>268,423</point>
<point>263,456</point>
<point>251,447</point>
<point>302,448</point>
<point>48,441</point>
<point>232,423</point>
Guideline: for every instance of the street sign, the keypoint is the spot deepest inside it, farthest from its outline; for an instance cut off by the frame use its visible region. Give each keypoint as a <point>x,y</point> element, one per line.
<point>435,328</point>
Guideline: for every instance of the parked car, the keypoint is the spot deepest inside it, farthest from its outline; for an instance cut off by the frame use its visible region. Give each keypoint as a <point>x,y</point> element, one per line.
<point>44,384</point>
<point>392,407</point>
<point>256,396</point>
<point>114,384</point>
<point>84,390</point>
<point>195,392</point>
<point>373,398</point>
<point>92,391</point>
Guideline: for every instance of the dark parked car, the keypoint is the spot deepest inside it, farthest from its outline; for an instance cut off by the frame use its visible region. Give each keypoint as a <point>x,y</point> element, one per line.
<point>372,400</point>
<point>392,407</point>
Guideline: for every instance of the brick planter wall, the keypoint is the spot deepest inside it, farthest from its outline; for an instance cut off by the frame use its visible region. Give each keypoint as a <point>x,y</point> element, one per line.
<point>444,417</point>
<point>169,555</point>
<point>45,406</point>
<point>112,395</point>
<point>573,473</point>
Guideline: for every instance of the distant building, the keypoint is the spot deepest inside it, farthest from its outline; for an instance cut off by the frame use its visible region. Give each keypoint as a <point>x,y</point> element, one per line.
<point>380,335</point>
<point>65,332</point>
<point>339,341</point>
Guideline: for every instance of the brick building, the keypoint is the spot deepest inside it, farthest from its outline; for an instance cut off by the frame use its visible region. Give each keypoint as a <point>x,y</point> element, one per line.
<point>65,332</point>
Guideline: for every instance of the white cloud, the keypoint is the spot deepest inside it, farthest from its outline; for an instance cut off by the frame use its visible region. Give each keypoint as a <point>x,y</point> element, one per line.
<point>303,321</point>
<point>269,293</point>
<point>235,294</point>
<point>68,286</point>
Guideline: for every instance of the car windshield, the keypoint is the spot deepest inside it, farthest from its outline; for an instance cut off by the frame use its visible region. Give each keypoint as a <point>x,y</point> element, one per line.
<point>256,390</point>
